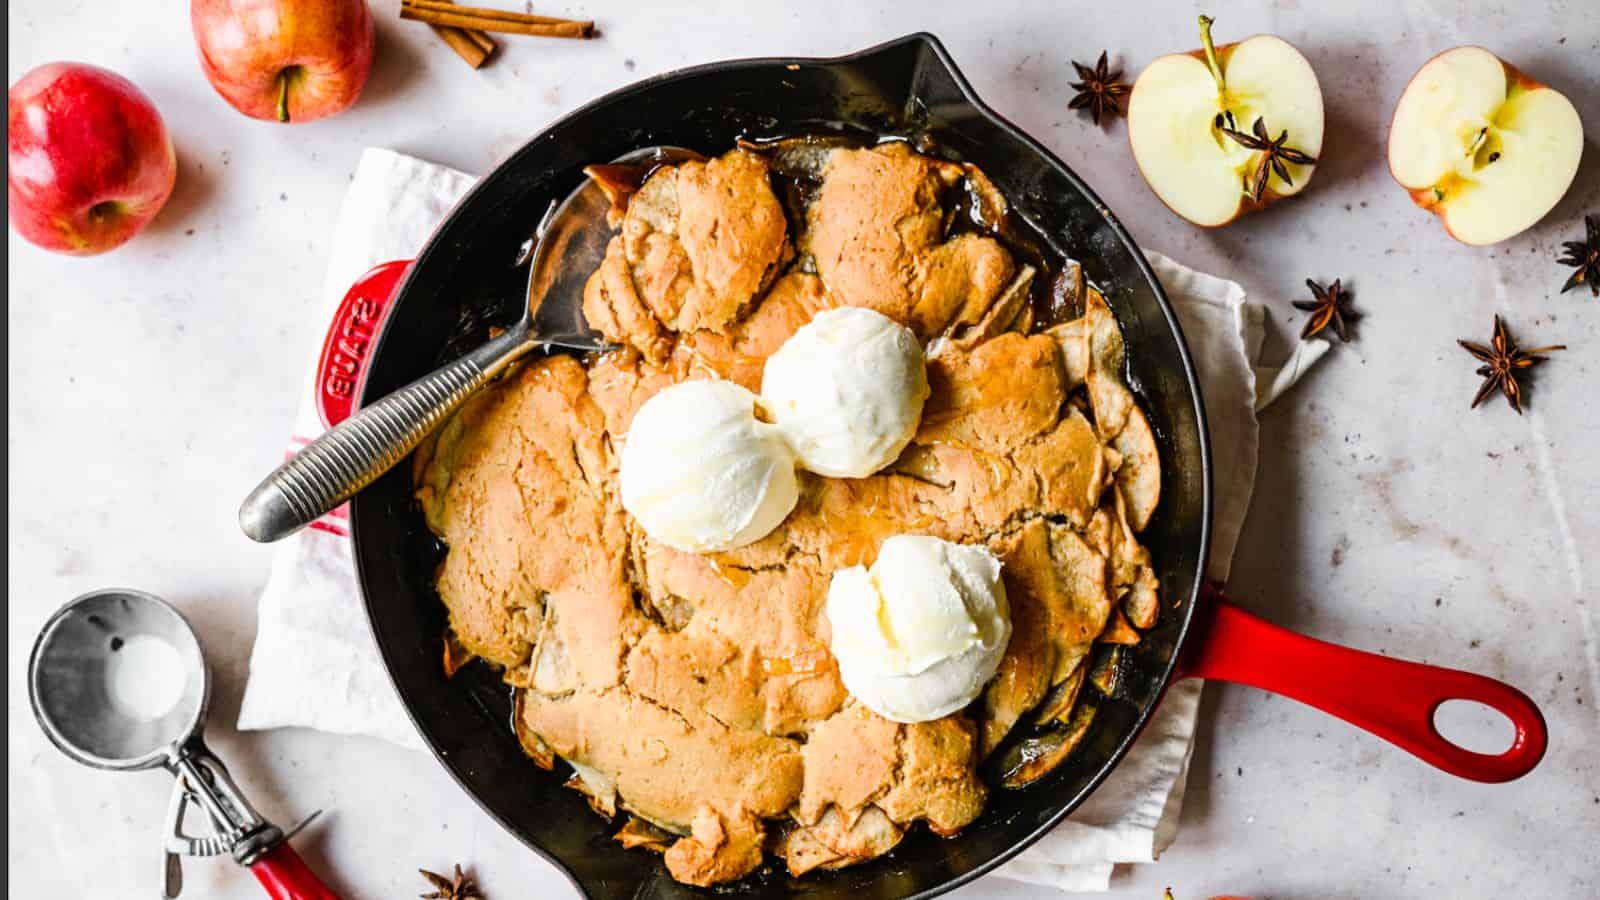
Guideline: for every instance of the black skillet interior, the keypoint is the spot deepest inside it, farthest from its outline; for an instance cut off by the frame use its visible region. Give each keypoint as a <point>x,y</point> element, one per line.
<point>465,281</point>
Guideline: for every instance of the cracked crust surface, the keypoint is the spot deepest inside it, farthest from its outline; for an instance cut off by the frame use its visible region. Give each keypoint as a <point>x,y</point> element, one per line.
<point>696,693</point>
<point>877,234</point>
<point>699,241</point>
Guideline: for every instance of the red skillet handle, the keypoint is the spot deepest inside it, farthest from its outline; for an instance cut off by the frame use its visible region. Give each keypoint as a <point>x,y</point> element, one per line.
<point>285,876</point>
<point>1391,698</point>
<point>347,349</point>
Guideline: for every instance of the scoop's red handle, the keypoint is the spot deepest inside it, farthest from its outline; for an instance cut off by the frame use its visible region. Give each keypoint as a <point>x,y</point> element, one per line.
<point>285,876</point>
<point>1391,698</point>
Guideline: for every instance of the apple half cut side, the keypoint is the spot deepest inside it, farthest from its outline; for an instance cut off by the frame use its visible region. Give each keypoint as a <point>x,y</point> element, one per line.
<point>1200,173</point>
<point>1482,145</point>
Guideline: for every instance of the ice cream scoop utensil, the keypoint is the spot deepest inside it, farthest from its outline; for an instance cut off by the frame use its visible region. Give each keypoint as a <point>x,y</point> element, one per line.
<point>117,681</point>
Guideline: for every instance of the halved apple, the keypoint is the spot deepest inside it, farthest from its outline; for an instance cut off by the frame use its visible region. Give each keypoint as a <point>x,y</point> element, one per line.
<point>1177,139</point>
<point>1482,145</point>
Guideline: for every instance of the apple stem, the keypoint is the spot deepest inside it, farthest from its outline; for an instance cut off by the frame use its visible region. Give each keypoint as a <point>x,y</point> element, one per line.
<point>1211,56</point>
<point>283,96</point>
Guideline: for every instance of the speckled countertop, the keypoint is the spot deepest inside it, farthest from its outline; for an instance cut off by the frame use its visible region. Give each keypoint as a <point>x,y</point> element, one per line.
<point>148,390</point>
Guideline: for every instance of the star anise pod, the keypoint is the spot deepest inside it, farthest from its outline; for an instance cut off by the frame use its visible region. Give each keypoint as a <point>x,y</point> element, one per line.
<point>1585,255</point>
<point>1274,153</point>
<point>1502,360</point>
<point>1099,90</point>
<point>1331,307</point>
<point>462,887</point>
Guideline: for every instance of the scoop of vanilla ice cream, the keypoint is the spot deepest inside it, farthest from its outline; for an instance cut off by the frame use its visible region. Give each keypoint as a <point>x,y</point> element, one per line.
<point>847,390</point>
<point>701,473</point>
<point>919,634</point>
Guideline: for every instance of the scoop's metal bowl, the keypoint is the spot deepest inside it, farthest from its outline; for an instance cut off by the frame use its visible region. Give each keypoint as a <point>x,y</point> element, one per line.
<point>74,669</point>
<point>464,281</point>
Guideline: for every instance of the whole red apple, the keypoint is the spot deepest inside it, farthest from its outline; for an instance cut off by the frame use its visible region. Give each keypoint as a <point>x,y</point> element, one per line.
<point>89,159</point>
<point>289,60</point>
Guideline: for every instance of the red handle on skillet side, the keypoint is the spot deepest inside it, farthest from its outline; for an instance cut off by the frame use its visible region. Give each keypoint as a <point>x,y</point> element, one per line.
<point>347,348</point>
<point>285,876</point>
<point>1391,698</point>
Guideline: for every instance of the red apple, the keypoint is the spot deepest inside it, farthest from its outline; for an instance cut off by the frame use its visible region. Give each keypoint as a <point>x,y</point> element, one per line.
<point>89,160</point>
<point>288,60</point>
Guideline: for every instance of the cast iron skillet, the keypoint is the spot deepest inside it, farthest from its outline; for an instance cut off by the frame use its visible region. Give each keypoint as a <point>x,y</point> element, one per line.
<point>464,281</point>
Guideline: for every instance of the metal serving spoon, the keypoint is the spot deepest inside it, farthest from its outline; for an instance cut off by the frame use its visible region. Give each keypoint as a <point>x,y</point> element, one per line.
<point>117,681</point>
<point>568,245</point>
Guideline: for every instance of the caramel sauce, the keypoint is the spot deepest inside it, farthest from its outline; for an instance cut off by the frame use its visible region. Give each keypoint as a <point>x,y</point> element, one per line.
<point>620,181</point>
<point>730,574</point>
<point>805,662</point>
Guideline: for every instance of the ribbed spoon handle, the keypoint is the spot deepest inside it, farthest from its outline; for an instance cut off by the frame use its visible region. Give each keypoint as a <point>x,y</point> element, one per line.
<point>351,455</point>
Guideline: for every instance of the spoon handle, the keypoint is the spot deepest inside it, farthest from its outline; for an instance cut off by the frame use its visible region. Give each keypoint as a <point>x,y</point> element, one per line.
<point>351,455</point>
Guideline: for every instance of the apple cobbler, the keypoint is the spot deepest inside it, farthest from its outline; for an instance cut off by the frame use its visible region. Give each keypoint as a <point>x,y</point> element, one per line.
<point>694,695</point>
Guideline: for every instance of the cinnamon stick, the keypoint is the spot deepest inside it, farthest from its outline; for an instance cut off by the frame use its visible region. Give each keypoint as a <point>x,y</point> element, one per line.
<point>464,44</point>
<point>505,15</point>
<point>448,15</point>
<point>473,46</point>
<point>483,41</point>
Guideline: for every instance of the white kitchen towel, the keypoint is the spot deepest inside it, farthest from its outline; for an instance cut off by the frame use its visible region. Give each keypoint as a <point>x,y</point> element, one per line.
<point>315,664</point>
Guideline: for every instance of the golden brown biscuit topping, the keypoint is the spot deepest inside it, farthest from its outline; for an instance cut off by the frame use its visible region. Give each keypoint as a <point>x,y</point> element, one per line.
<point>696,693</point>
<point>698,242</point>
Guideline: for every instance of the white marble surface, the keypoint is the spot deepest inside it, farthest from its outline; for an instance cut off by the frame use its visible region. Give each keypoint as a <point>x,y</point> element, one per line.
<point>148,390</point>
